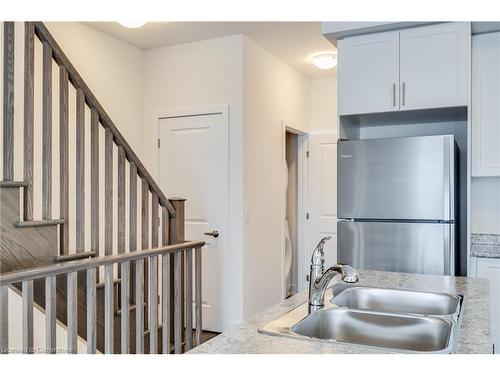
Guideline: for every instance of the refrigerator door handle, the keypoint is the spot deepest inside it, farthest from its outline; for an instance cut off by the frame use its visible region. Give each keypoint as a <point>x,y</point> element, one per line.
<point>448,247</point>
<point>448,183</point>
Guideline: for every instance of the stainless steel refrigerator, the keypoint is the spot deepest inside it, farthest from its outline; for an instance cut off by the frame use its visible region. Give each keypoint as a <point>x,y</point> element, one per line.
<point>397,204</point>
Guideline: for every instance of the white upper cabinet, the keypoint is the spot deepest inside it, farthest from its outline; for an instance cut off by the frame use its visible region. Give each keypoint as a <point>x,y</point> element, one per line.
<point>417,68</point>
<point>368,73</point>
<point>486,105</point>
<point>433,66</point>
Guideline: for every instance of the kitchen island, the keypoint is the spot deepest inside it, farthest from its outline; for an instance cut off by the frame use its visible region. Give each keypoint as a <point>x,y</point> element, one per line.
<point>473,333</point>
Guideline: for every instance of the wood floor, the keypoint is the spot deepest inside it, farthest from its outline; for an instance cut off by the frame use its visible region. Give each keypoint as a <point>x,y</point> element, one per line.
<point>208,335</point>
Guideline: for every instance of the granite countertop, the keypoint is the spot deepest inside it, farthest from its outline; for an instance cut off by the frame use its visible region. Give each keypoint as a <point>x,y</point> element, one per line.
<point>485,245</point>
<point>473,334</point>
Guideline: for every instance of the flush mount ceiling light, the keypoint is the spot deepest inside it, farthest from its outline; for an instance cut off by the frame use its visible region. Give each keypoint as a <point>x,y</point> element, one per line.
<point>132,24</point>
<point>325,60</point>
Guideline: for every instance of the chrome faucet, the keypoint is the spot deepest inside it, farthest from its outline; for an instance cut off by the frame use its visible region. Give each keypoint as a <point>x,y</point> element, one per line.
<point>319,278</point>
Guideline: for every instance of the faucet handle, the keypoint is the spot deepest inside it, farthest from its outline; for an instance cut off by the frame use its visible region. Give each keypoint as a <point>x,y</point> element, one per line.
<point>318,256</point>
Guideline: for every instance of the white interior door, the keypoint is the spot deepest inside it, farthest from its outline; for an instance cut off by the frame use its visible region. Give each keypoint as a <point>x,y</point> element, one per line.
<point>323,193</point>
<point>193,162</point>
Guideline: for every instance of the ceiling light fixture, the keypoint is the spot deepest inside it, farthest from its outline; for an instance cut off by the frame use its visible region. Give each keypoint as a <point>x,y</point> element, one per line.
<point>132,24</point>
<point>325,60</point>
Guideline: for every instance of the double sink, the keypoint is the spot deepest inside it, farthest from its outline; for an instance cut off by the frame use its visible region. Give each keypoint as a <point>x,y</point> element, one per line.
<point>393,319</point>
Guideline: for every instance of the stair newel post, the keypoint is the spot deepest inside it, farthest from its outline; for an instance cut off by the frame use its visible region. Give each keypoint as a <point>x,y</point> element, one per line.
<point>177,275</point>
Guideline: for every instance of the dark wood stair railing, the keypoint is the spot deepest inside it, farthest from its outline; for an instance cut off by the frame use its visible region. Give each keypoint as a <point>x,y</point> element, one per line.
<point>160,220</point>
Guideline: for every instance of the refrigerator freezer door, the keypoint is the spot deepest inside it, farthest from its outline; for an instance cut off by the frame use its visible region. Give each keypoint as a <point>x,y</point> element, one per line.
<point>400,247</point>
<point>400,178</point>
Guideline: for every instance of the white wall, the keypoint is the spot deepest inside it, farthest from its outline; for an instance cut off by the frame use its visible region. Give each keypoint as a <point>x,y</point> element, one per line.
<point>485,205</point>
<point>323,105</point>
<point>194,75</point>
<point>273,92</point>
<point>114,71</point>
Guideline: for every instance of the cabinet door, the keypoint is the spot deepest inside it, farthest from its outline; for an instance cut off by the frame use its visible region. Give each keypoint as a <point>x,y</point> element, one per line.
<point>368,73</point>
<point>433,66</point>
<point>490,269</point>
<point>486,105</point>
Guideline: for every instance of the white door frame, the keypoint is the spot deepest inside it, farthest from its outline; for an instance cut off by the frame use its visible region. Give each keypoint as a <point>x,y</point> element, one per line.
<point>224,245</point>
<point>302,203</point>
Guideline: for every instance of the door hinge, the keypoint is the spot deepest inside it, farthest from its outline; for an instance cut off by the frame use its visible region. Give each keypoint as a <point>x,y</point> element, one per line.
<point>307,154</point>
<point>307,278</point>
<point>307,216</point>
<point>158,142</point>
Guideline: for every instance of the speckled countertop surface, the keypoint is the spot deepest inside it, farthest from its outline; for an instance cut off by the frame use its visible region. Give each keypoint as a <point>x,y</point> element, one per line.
<point>473,335</point>
<point>485,245</point>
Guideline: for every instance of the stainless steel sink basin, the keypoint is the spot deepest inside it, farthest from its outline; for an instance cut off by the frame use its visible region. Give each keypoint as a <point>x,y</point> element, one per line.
<point>391,319</point>
<point>398,301</point>
<point>390,331</point>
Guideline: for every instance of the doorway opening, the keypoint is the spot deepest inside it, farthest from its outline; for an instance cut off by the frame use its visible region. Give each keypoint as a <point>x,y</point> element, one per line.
<point>294,215</point>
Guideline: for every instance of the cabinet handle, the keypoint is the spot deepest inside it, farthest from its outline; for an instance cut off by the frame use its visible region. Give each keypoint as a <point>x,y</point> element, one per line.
<point>394,94</point>
<point>404,93</point>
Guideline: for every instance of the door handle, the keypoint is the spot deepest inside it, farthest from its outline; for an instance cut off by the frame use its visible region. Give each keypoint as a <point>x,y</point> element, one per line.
<point>404,93</point>
<point>213,233</point>
<point>394,94</point>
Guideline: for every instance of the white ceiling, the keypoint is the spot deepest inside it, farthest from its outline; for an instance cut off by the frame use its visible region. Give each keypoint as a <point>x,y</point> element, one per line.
<point>293,42</point>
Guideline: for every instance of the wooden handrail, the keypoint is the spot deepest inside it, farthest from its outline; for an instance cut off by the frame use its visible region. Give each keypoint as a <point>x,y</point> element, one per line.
<point>44,35</point>
<point>81,265</point>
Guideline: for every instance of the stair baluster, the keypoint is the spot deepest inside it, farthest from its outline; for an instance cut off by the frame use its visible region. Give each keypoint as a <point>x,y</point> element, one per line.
<point>72,312</point>
<point>91,311</point>
<point>29,107</point>
<point>64,160</point>
<point>8,101</point>
<point>4,319</point>
<point>125,308</point>
<point>27,289</point>
<point>47,133</point>
<point>50,314</point>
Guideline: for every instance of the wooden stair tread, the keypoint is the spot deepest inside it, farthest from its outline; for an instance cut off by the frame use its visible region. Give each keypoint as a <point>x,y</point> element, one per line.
<point>13,184</point>
<point>102,284</point>
<point>38,223</point>
<point>75,256</point>
<point>131,308</point>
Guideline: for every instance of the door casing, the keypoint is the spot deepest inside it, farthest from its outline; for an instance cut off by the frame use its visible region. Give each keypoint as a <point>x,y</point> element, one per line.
<point>302,203</point>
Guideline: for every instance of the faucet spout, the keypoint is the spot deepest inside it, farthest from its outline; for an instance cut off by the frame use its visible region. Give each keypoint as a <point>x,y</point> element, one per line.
<point>320,279</point>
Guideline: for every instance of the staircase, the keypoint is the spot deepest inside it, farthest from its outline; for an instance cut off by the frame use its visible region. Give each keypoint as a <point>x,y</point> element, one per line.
<point>120,294</point>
